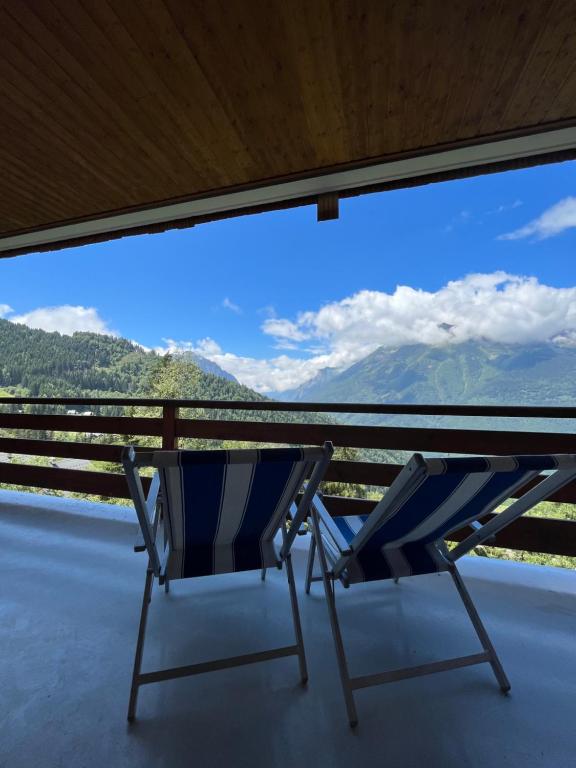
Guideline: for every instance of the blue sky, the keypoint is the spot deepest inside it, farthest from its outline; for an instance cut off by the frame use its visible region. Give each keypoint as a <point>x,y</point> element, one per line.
<point>232,281</point>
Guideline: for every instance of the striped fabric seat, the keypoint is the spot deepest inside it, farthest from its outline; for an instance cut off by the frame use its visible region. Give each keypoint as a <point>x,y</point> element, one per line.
<point>404,536</point>
<point>223,509</point>
<point>379,561</point>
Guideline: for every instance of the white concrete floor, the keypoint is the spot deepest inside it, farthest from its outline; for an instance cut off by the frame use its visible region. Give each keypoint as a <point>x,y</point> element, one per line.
<point>70,594</point>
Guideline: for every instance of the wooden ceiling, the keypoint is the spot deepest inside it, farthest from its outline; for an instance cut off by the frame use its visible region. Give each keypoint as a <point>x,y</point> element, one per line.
<point>108,106</point>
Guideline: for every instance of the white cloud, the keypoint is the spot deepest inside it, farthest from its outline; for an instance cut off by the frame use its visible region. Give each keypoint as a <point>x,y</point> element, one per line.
<point>458,220</point>
<point>281,344</point>
<point>207,347</point>
<point>227,304</point>
<point>262,375</point>
<point>66,319</point>
<point>5,309</point>
<point>284,329</point>
<point>505,207</point>
<point>497,307</point>
<point>268,311</point>
<point>204,347</point>
<point>553,221</point>
<point>271,375</point>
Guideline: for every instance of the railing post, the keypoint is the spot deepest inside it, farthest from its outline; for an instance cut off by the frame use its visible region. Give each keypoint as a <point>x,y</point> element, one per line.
<point>169,437</point>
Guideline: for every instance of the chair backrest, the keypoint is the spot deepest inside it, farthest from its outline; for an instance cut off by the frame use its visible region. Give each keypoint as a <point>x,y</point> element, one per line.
<point>432,497</point>
<point>222,509</point>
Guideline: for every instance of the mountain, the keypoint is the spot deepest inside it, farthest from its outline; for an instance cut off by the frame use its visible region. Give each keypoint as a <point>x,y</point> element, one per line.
<point>206,365</point>
<point>301,393</point>
<point>41,364</point>
<point>471,373</point>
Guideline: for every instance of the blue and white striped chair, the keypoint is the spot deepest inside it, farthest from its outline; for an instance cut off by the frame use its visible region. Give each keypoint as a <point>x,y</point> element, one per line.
<point>220,512</point>
<point>405,536</point>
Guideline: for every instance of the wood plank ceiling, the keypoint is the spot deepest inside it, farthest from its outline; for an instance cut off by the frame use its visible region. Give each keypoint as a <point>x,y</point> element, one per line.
<point>110,106</point>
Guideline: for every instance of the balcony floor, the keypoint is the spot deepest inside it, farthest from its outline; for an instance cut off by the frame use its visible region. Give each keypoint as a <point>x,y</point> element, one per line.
<point>71,592</point>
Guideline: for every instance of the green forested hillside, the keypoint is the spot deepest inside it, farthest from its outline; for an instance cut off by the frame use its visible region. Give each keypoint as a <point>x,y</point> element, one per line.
<point>40,364</point>
<point>51,364</point>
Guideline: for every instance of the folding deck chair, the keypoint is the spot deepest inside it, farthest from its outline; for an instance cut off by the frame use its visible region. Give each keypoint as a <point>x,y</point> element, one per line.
<point>405,536</point>
<point>210,512</point>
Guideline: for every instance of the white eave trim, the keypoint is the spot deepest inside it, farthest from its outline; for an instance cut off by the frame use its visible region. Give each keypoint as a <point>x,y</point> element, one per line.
<point>438,162</point>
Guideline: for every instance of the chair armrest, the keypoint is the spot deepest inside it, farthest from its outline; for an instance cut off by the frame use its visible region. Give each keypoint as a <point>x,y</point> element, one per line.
<point>304,505</point>
<point>139,545</point>
<point>476,526</point>
<point>293,512</point>
<point>330,526</point>
<point>545,488</point>
<point>164,564</point>
<point>153,512</point>
<point>152,498</point>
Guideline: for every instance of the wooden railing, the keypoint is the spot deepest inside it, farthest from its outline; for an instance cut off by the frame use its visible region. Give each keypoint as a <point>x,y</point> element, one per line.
<point>528,533</point>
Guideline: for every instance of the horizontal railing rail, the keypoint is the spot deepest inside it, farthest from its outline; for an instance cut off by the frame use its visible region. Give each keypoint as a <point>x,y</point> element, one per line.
<point>512,411</point>
<point>530,533</point>
<point>382,438</point>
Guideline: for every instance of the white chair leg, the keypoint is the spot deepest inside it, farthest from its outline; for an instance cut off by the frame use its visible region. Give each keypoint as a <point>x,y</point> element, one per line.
<point>480,630</point>
<point>296,620</point>
<point>140,645</point>
<point>339,645</point>
<point>310,564</point>
<point>334,625</point>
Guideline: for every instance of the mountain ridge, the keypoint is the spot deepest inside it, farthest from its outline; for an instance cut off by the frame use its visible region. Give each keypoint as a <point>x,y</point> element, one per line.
<point>469,373</point>
<point>208,366</point>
